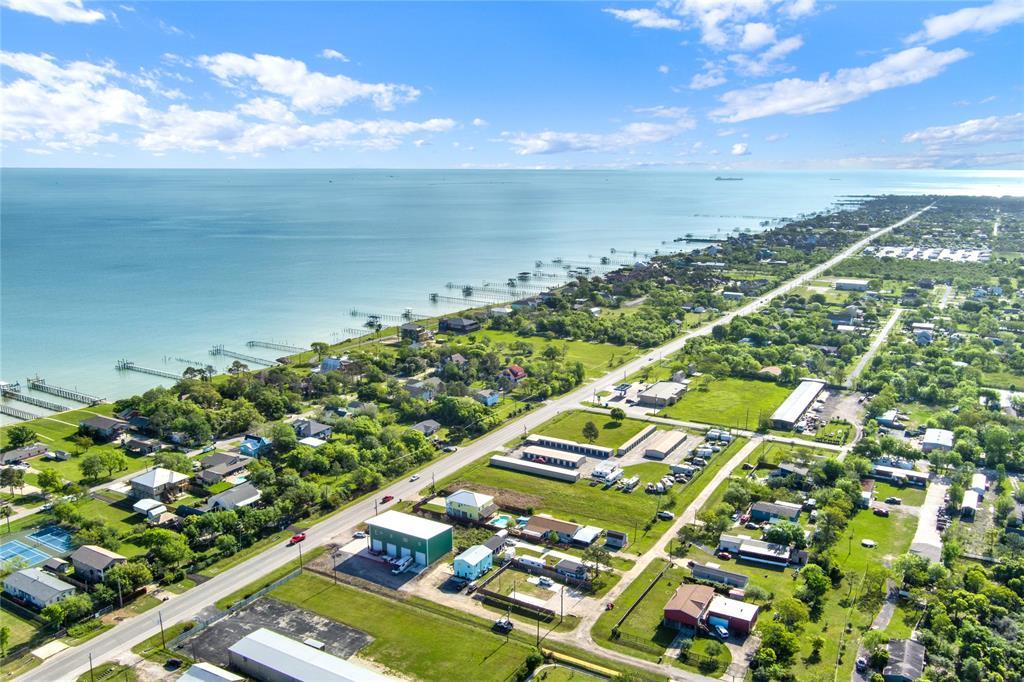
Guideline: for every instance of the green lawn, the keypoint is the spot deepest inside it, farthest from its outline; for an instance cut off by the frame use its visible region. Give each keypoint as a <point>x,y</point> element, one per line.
<point>70,470</point>
<point>569,426</point>
<point>406,637</point>
<point>22,629</point>
<point>736,403</point>
<point>119,516</point>
<point>1007,380</point>
<point>775,452</point>
<point>597,358</point>
<point>913,497</point>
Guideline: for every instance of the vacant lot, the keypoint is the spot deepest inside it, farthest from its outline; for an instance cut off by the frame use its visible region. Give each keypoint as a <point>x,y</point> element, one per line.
<point>569,426</point>
<point>597,358</point>
<point>22,629</point>
<point>735,403</point>
<point>406,638</point>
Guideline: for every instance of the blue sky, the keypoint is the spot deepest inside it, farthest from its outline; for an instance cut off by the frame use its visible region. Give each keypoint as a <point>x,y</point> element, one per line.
<point>686,84</point>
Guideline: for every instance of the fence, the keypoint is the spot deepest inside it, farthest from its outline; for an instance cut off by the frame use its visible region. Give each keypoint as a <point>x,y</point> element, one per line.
<point>639,599</point>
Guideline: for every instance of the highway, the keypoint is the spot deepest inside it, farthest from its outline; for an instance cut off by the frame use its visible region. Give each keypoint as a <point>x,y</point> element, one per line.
<point>72,662</point>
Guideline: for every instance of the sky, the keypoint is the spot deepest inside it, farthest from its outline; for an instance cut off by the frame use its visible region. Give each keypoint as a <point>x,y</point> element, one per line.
<point>721,84</point>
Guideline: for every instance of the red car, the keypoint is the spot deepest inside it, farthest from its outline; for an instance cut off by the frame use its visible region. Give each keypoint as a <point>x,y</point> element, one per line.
<point>724,555</point>
<point>386,499</point>
<point>297,538</point>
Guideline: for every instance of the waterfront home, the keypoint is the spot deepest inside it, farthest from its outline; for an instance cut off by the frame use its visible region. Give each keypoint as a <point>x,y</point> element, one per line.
<point>103,428</point>
<point>458,325</point>
<point>92,561</point>
<point>307,428</point>
<point>416,333</point>
<point>158,482</point>
<point>488,397</point>
<point>37,588</point>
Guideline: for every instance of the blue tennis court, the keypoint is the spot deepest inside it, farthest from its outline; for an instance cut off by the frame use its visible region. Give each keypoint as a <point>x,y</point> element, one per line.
<point>54,537</point>
<point>15,549</point>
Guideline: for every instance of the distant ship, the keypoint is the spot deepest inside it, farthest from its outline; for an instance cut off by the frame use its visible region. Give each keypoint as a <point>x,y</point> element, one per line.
<point>724,179</point>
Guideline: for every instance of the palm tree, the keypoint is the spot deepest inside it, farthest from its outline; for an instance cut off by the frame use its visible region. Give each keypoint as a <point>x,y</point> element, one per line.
<point>5,512</point>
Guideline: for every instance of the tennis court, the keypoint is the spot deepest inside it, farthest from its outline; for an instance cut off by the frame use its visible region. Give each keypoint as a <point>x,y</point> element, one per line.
<point>54,537</point>
<point>15,549</point>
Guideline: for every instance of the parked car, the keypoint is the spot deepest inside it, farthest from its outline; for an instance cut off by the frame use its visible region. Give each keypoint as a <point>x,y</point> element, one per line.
<point>386,499</point>
<point>359,534</point>
<point>862,664</point>
<point>503,625</point>
<point>725,556</point>
<point>880,511</point>
<point>813,518</point>
<point>666,515</point>
<point>545,581</point>
<point>297,538</point>
<point>721,632</point>
<point>750,525</point>
<point>893,500</point>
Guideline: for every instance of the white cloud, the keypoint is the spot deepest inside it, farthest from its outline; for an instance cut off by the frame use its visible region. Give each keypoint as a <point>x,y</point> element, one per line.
<point>480,123</point>
<point>756,35</point>
<point>172,30</point>
<point>61,11</point>
<point>645,18</point>
<point>798,96</point>
<point>712,76</point>
<point>660,111</point>
<point>663,68</point>
<point>739,149</point>
<point>985,19</point>
<point>719,21</point>
<point>798,8</point>
<point>421,143</point>
<point>308,90</point>
<point>975,131</point>
<point>768,61</point>
<point>267,109</point>
<point>776,137</point>
<point>630,135</point>
<point>328,53</point>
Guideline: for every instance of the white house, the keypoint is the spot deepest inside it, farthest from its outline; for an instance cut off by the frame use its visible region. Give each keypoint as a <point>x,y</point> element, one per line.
<point>37,587</point>
<point>937,439</point>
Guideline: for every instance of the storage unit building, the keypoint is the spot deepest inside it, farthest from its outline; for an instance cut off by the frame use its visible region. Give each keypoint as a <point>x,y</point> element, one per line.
<point>794,406</point>
<point>569,446</point>
<point>542,455</point>
<point>404,535</point>
<point>528,467</point>
<point>664,444</point>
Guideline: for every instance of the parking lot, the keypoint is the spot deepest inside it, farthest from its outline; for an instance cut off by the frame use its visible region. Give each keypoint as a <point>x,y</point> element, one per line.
<point>212,643</point>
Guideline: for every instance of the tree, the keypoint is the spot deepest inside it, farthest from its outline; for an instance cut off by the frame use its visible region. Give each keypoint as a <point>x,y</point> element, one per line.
<point>167,547</point>
<point>19,435</point>
<point>320,348</point>
<point>598,557</point>
<point>82,442</point>
<point>50,481</point>
<point>282,437</point>
<point>815,584</point>
<point>54,614</point>
<point>238,367</point>
<point>618,414</point>
<point>127,577</point>
<point>5,512</point>
<point>590,432</point>
<point>92,466</point>
<point>176,461</point>
<point>792,612</point>
<point>5,639</point>
<point>12,477</point>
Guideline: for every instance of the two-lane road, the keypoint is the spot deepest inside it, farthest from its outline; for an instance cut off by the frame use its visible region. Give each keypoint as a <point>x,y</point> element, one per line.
<point>70,663</point>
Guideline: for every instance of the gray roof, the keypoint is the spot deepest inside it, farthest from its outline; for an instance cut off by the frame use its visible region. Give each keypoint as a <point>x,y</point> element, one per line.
<point>23,453</point>
<point>102,423</point>
<point>906,659</point>
<point>426,425</point>
<point>38,583</point>
<point>233,497</point>
<point>223,458</point>
<point>775,509</point>
<point>95,557</point>
<point>300,661</point>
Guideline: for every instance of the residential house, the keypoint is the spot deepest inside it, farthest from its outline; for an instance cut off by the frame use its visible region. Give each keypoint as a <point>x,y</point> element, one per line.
<point>458,325</point>
<point>220,465</point>
<point>103,428</point>
<point>889,419</point>
<point>254,446</point>
<point>425,389</point>
<point>488,397</point>
<point>307,428</point>
<point>242,495</point>
<point>937,439</point>
<point>56,566</point>
<point>770,511</point>
<point>428,427</point>
<point>867,493</point>
<point>497,542</point>
<point>92,561</point>
<point>616,539</point>
<point>571,568</point>
<point>513,374</point>
<point>906,661</point>
<point>37,588</point>
<point>457,359</point>
<point>687,606</point>
<point>540,527</point>
<point>416,333</point>
<point>474,562</point>
<point>143,446</point>
<point>789,469</point>
<point>23,453</point>
<point>159,482</point>
<point>469,505</point>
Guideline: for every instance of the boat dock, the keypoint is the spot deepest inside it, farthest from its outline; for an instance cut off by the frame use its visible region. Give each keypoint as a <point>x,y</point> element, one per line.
<point>13,392</point>
<point>37,384</point>
<point>18,413</point>
<point>275,346</point>
<point>129,366</point>
<point>251,359</point>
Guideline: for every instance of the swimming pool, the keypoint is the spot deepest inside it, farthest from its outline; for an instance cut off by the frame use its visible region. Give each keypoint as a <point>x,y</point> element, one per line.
<point>501,521</point>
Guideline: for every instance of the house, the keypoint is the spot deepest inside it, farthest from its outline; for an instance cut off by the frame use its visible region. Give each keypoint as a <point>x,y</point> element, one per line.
<point>466,504</point>
<point>254,446</point>
<point>789,469</point>
<point>737,616</point>
<point>687,606</point>
<point>457,359</point>
<point>23,453</point>
<point>426,389</point>
<point>616,539</point>
<point>969,505</point>
<point>150,508</point>
<point>37,588</point>
<point>733,295</point>
<point>159,482</point>
<point>661,394</point>
<point>923,337</point>
<point>937,439</point>
<point>220,465</point>
<point>762,552</point>
<point>867,493</point>
<point>269,657</point>
<point>103,428</point>
<point>906,661</point>
<point>979,484</point>
<point>91,562</point>
<point>500,311</point>
<point>513,374</point>
<point>56,566</point>
<point>428,427</point>
<point>540,527</point>
<point>713,573</point>
<point>571,569</point>
<point>311,442</point>
<point>889,419</point>
<point>851,285</point>
<point>488,397</point>
<point>416,333</point>
<point>404,535</point>
<point>731,543</point>
<point>900,476</point>
<point>307,428</point>
<point>474,562</point>
<point>772,371</point>
<point>586,536</point>
<point>143,446</point>
<point>458,325</point>
<point>770,511</point>
<point>497,542</point>
<point>336,364</point>
<point>242,495</point>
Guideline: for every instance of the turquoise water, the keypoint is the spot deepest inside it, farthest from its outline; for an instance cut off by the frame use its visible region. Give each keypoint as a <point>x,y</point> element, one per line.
<point>99,265</point>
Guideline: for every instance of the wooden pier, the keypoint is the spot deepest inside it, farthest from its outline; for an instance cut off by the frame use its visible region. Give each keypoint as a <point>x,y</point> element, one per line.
<point>14,394</point>
<point>275,346</point>
<point>250,359</point>
<point>17,413</point>
<point>37,384</point>
<point>129,366</point>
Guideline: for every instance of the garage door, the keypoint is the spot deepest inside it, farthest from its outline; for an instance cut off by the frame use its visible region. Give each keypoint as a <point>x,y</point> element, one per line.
<point>392,550</point>
<point>421,558</point>
<point>406,552</point>
<point>377,545</point>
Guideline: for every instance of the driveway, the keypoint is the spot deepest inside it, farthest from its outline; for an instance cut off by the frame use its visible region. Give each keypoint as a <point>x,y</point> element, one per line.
<point>927,541</point>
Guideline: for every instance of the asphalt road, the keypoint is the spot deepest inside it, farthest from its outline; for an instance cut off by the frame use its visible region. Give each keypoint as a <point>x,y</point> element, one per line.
<point>880,338</point>
<point>71,663</point>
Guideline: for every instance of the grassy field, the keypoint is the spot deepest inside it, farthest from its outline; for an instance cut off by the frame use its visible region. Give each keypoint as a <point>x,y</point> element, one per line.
<point>913,497</point>
<point>406,637</point>
<point>597,358</point>
<point>569,426</point>
<point>736,403</point>
<point>119,516</point>
<point>1007,380</point>
<point>22,629</point>
<point>256,586</point>
<point>774,452</point>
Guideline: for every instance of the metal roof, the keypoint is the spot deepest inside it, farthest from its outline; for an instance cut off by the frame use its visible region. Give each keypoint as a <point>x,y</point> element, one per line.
<point>407,524</point>
<point>798,401</point>
<point>664,390</point>
<point>469,498</point>
<point>159,476</point>
<point>38,583</point>
<point>474,555</point>
<point>299,661</point>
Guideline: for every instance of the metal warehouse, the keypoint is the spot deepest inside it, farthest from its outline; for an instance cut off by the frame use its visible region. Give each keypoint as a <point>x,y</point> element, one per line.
<point>794,406</point>
<point>528,467</point>
<point>543,455</point>
<point>403,535</point>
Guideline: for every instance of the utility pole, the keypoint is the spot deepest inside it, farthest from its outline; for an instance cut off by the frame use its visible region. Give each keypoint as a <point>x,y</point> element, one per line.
<point>92,677</point>
<point>299,545</point>
<point>163,640</point>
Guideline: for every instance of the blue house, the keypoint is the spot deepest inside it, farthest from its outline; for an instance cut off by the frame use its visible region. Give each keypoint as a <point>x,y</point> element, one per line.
<point>473,562</point>
<point>254,446</point>
<point>488,397</point>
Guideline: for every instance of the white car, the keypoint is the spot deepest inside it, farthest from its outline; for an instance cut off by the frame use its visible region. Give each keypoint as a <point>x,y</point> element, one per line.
<point>414,477</point>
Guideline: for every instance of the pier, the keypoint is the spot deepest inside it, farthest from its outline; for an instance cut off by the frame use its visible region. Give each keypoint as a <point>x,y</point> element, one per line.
<point>251,359</point>
<point>38,384</point>
<point>129,366</point>
<point>407,316</point>
<point>275,346</point>
<point>18,414</point>
<point>439,298</point>
<point>14,394</point>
